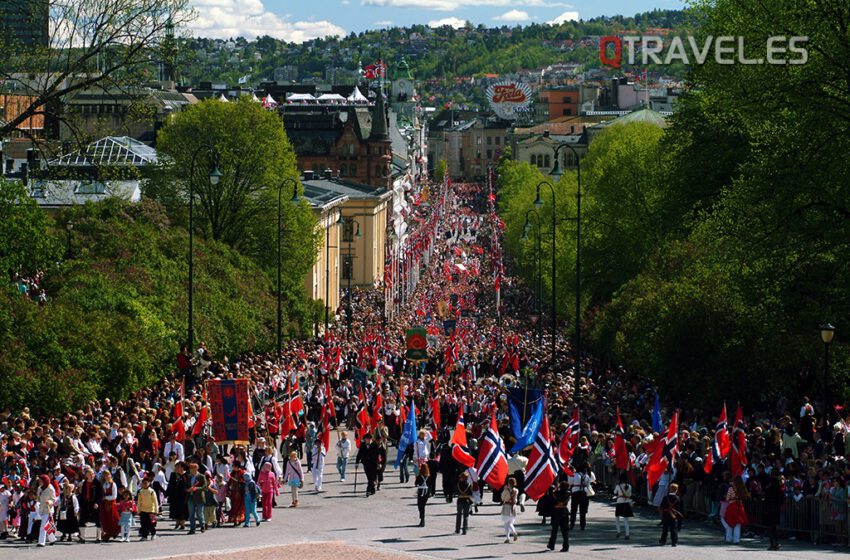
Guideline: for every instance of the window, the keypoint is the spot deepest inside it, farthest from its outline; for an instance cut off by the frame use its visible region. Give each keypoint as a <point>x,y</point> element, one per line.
<point>489,140</point>
<point>348,231</point>
<point>498,140</point>
<point>90,187</point>
<point>489,154</point>
<point>546,161</point>
<point>352,170</point>
<point>567,99</point>
<point>568,112</point>
<point>351,149</point>
<point>478,141</point>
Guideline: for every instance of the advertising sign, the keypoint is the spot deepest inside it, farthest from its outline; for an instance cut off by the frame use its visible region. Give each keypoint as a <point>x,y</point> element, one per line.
<point>509,99</point>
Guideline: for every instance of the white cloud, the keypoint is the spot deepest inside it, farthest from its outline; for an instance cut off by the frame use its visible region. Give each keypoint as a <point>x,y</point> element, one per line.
<point>457,23</point>
<point>566,16</point>
<point>451,5</point>
<point>224,19</point>
<point>513,16</point>
<point>384,23</point>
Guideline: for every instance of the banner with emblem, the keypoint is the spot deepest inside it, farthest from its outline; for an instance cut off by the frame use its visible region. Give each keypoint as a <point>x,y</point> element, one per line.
<point>229,402</point>
<point>417,343</point>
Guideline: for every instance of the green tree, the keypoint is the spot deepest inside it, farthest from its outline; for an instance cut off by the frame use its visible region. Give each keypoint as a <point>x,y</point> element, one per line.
<point>440,171</point>
<point>23,244</point>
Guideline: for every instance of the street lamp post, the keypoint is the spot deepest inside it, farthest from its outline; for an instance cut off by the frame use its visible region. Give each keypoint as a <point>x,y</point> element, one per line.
<point>827,332</point>
<point>68,228</point>
<point>295,200</point>
<point>538,203</point>
<point>350,271</point>
<point>557,173</point>
<point>538,266</point>
<point>214,178</point>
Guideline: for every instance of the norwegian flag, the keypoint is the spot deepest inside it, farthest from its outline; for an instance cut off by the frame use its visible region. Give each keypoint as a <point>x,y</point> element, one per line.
<point>665,452</point>
<point>569,440</point>
<point>288,422</point>
<point>621,453</point>
<point>178,427</point>
<point>361,423</point>
<point>329,399</point>
<point>543,464</point>
<point>738,457</point>
<point>492,465</point>
<point>375,71</point>
<point>460,451</point>
<point>721,445</point>
<point>50,528</point>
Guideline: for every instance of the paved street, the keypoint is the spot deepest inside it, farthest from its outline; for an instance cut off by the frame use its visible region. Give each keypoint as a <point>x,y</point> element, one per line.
<point>388,521</point>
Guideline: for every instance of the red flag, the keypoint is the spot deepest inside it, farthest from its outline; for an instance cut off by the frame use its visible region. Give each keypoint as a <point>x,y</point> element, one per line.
<point>250,413</point>
<point>362,423</point>
<point>721,445</point>
<point>326,428</point>
<point>542,465</point>
<point>377,412</point>
<point>664,453</point>
<point>199,423</point>
<point>492,464</point>
<point>460,451</point>
<point>569,440</point>
<point>329,401</point>
<point>178,427</point>
<point>738,452</point>
<point>621,453</point>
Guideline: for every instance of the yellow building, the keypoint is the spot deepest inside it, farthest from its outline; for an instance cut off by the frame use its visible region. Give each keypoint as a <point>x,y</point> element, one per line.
<point>365,211</point>
<point>322,282</point>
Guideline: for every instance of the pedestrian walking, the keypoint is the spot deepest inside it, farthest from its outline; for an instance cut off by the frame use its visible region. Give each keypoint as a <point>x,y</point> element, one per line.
<point>368,455</point>
<point>560,517</point>
<point>318,454</point>
<point>580,487</point>
<point>68,512</point>
<point>773,502</point>
<point>267,480</point>
<point>147,504</point>
<point>197,487</point>
<point>294,476</point>
<point>126,509</point>
<point>736,517</point>
<point>509,503</point>
<point>623,505</point>
<point>422,491</point>
<point>343,451</point>
<point>109,528</point>
<point>464,502</point>
<point>91,494</point>
<point>670,516</point>
<point>252,495</point>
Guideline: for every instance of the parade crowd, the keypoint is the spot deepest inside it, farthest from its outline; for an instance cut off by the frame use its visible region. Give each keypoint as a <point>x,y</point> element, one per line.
<point>114,469</point>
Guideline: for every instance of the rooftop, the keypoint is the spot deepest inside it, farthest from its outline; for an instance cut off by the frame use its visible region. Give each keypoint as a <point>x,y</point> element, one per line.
<point>111,150</point>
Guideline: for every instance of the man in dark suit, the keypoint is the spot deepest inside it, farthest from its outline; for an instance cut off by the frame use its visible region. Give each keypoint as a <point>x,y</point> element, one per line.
<point>670,516</point>
<point>367,455</point>
<point>560,517</point>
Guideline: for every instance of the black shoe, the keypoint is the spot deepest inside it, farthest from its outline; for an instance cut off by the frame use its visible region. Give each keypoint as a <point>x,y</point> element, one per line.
<point>422,523</point>
<point>464,532</point>
<point>565,549</point>
<point>457,531</point>
<point>550,546</point>
<point>191,533</point>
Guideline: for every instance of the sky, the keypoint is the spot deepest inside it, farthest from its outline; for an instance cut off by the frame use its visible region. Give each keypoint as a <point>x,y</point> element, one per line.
<point>302,20</point>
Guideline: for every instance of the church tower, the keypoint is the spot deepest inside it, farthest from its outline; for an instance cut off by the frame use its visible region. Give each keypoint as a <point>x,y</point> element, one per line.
<point>380,148</point>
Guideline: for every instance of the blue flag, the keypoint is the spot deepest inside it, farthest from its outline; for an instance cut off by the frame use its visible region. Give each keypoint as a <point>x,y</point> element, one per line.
<point>408,435</point>
<point>525,435</point>
<point>657,424</point>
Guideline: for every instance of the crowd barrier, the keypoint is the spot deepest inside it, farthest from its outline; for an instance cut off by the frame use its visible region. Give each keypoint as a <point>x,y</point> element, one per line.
<point>811,518</point>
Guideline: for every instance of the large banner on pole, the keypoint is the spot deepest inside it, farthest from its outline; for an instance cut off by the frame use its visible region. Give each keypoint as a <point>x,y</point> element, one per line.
<point>231,408</point>
<point>417,343</point>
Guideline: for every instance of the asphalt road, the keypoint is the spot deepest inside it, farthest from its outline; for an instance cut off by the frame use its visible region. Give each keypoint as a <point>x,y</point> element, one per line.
<point>388,521</point>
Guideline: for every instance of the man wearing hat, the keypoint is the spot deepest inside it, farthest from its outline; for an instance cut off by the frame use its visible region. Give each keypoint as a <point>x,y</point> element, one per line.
<point>367,455</point>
